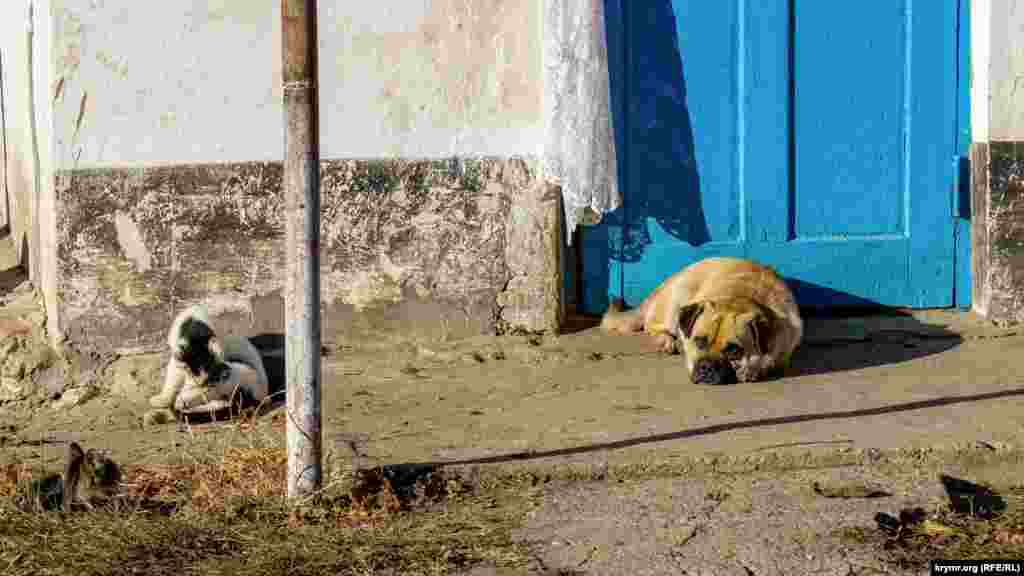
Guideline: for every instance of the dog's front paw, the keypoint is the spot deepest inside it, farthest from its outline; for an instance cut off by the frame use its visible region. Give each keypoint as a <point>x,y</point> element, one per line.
<point>211,406</point>
<point>191,398</point>
<point>665,343</point>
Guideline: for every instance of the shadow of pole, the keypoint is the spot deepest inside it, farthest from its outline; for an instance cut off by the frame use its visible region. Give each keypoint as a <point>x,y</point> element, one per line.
<point>727,427</point>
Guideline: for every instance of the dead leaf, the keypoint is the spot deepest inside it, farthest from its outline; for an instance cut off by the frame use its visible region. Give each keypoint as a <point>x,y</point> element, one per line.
<point>934,528</point>
<point>14,327</point>
<point>372,490</point>
<point>1014,536</point>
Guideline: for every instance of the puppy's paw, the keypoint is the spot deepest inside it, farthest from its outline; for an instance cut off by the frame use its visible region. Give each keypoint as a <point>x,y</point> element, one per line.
<point>191,398</point>
<point>211,406</point>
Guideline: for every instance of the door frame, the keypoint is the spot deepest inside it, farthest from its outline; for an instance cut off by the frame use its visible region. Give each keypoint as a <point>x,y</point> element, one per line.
<point>5,203</point>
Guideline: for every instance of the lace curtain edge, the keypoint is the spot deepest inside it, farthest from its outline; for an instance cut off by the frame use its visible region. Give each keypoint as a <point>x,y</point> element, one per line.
<point>579,148</point>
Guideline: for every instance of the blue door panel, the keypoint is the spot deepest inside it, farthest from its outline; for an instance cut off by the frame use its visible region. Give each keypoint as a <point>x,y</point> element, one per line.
<point>932,169</point>
<point>849,120</point>
<point>817,137</point>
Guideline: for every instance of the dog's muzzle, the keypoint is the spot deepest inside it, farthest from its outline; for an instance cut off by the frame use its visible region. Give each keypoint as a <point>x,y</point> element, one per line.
<point>709,371</point>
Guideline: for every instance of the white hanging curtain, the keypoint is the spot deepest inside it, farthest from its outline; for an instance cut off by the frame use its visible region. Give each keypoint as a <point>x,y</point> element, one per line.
<point>579,151</point>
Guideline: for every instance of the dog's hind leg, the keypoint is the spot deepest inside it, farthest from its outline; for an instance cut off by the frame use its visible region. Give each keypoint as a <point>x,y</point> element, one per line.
<point>617,320</point>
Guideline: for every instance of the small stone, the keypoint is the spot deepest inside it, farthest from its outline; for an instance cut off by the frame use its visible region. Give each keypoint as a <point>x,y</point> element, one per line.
<point>435,355</point>
<point>52,381</point>
<point>73,397</point>
<point>9,346</point>
<point>14,367</point>
<point>13,327</point>
<point>12,390</point>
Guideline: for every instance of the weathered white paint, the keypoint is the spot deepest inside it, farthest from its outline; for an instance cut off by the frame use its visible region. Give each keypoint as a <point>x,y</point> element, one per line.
<point>198,81</point>
<point>981,40</point>
<point>132,244</point>
<point>166,82</point>
<point>1007,71</point>
<point>20,176</point>
<point>4,212</point>
<point>997,70</point>
<point>431,78</point>
<point>25,40</point>
<point>45,249</point>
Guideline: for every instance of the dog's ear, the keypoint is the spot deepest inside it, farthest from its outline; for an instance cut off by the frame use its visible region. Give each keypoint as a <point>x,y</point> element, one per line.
<point>216,350</point>
<point>761,330</point>
<point>688,316</point>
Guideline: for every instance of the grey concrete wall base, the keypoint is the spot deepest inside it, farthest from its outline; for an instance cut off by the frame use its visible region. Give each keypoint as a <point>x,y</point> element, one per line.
<point>998,231</point>
<point>411,249</point>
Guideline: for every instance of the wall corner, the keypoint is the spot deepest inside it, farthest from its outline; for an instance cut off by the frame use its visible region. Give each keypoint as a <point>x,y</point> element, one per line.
<point>533,298</point>
<point>998,198</point>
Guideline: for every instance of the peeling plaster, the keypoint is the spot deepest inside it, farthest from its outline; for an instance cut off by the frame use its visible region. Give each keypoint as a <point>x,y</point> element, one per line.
<point>417,247</point>
<point>380,285</point>
<point>131,241</point>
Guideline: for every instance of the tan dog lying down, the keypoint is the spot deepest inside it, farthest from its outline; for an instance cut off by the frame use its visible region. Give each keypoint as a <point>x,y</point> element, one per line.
<point>737,320</point>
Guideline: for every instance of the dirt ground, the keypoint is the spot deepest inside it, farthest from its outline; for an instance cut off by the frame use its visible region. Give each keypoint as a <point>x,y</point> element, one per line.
<point>649,473</point>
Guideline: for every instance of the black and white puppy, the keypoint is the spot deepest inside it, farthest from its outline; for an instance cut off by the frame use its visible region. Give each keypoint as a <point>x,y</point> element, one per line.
<point>207,372</point>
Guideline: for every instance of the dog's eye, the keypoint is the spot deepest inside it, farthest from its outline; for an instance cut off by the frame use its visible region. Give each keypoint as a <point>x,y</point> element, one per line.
<point>701,342</point>
<point>732,350</point>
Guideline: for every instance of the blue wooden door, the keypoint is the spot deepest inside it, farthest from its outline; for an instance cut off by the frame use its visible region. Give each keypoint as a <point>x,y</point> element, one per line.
<point>815,136</point>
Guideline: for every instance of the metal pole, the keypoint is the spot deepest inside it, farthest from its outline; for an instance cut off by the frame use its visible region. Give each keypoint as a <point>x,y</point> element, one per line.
<point>302,246</point>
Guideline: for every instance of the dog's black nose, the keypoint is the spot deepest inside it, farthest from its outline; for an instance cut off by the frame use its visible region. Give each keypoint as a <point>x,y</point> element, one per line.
<point>708,371</point>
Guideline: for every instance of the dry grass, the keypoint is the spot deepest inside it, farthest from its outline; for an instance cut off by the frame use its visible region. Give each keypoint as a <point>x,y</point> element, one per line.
<point>960,536</point>
<point>228,516</point>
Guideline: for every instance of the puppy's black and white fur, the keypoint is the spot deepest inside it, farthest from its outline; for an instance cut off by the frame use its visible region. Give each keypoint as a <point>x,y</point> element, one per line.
<point>207,372</point>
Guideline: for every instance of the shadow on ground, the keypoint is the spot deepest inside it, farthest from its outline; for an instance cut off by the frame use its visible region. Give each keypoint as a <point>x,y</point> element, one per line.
<point>728,427</point>
<point>846,339</point>
<point>12,271</point>
<point>843,332</point>
<point>271,347</point>
<point>854,339</point>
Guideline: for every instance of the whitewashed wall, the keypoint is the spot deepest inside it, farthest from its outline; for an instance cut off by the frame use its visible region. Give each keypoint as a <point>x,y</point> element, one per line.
<point>431,78</point>
<point>1007,71</point>
<point>25,44</point>
<point>190,81</point>
<point>997,63</point>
